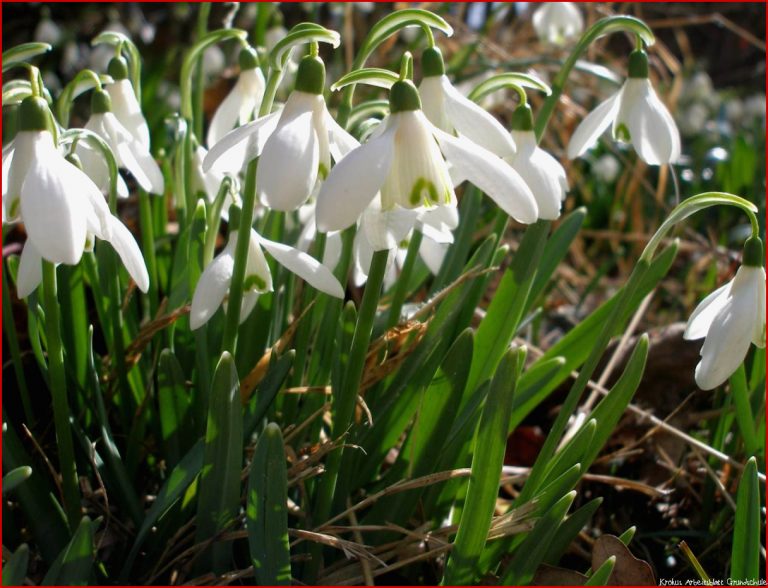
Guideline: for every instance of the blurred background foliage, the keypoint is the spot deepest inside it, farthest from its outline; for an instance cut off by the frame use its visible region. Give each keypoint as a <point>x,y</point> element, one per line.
<point>709,66</point>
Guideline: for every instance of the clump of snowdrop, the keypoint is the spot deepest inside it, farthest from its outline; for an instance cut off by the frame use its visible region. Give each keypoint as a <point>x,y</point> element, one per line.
<point>214,283</point>
<point>730,319</point>
<point>405,166</point>
<point>129,153</point>
<point>60,206</point>
<point>295,144</point>
<point>558,22</point>
<point>636,115</point>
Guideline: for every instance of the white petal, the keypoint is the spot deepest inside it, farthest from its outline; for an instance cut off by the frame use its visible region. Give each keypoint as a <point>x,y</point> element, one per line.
<point>432,254</point>
<point>387,229</point>
<point>287,169</point>
<point>437,234</point>
<point>492,175</point>
<point>304,266</point>
<point>652,130</point>
<point>595,123</point>
<point>250,299</point>
<point>17,158</point>
<point>363,255</point>
<point>542,172</point>
<point>53,206</point>
<point>433,102</point>
<point>211,288</point>
<point>701,319</point>
<point>231,140</point>
<point>227,115</point>
<point>127,110</point>
<point>258,276</point>
<point>354,182</point>
<point>758,336</point>
<point>130,254</point>
<point>472,121</point>
<point>30,272</point>
<point>342,142</point>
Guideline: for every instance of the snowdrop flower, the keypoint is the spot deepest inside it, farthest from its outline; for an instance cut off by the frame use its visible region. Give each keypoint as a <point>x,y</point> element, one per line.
<point>637,116</point>
<point>46,30</point>
<point>295,145</point>
<point>449,110</point>
<point>606,168</point>
<point>730,318</point>
<point>243,101</point>
<point>556,22</point>
<point>542,172</point>
<point>124,103</point>
<point>62,209</point>
<point>209,182</point>
<point>402,163</point>
<point>130,154</point>
<point>333,242</point>
<point>215,280</point>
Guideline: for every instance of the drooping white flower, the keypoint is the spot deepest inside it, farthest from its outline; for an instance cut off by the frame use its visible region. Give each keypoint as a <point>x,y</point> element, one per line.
<point>543,173</point>
<point>557,22</point>
<point>449,110</point>
<point>606,168</point>
<point>62,209</point>
<point>730,318</point>
<point>209,182</point>
<point>47,31</point>
<point>129,153</point>
<point>243,101</point>
<point>215,280</point>
<point>124,103</point>
<point>402,163</point>
<point>295,145</point>
<point>637,115</point>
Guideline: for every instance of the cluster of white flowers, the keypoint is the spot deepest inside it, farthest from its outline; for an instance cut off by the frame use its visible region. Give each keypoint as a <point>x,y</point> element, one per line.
<point>401,179</point>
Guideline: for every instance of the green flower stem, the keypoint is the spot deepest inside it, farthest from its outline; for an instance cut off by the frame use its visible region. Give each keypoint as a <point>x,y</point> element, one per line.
<point>9,328</point>
<point>198,85</point>
<point>602,27</point>
<point>58,383</point>
<point>345,397</point>
<point>118,345</point>
<point>229,341</point>
<point>214,220</point>
<point>148,249</point>
<point>273,81</point>
<point>401,288</point>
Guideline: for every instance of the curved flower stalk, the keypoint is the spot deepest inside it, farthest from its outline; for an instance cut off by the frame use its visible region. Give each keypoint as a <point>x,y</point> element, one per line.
<point>730,318</point>
<point>636,115</point>
<point>557,22</point>
<point>130,153</point>
<point>124,103</point>
<point>215,280</point>
<point>543,173</point>
<point>243,101</point>
<point>403,165</point>
<point>295,145</point>
<point>62,209</point>
<point>449,110</point>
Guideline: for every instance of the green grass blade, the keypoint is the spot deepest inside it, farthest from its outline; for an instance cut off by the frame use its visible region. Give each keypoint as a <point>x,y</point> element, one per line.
<point>483,489</point>
<point>173,407</point>
<point>744,417</point>
<point>603,573</point>
<point>531,552</point>
<point>15,569</point>
<point>745,555</point>
<point>569,529</point>
<point>74,564</point>
<point>266,510</point>
<point>219,493</point>
<point>266,391</point>
<point>15,478</point>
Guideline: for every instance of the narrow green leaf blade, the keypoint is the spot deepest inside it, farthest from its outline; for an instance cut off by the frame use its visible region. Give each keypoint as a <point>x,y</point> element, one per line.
<point>15,478</point>
<point>603,573</point>
<point>73,566</point>
<point>745,556</point>
<point>15,569</point>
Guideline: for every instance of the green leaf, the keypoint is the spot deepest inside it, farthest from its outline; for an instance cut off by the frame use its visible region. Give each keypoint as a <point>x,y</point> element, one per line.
<point>299,35</point>
<point>531,551</point>
<point>219,493</point>
<point>267,512</point>
<point>267,390</point>
<point>569,529</point>
<point>745,554</point>
<point>603,573</point>
<point>74,564</point>
<point>22,53</point>
<point>173,406</point>
<point>482,492</point>
<point>627,536</point>
<point>15,478</point>
<point>505,80</point>
<point>15,569</point>
<point>558,487</point>
<point>373,76</point>
<point>573,452</point>
<point>744,417</point>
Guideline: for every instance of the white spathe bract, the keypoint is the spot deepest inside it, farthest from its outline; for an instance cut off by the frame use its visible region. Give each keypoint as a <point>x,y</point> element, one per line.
<point>240,106</point>
<point>130,154</point>
<point>127,110</point>
<point>402,162</point>
<point>215,280</point>
<point>731,317</point>
<point>543,173</point>
<point>449,110</point>
<point>295,147</point>
<point>62,210</point>
<point>635,110</point>
<point>556,22</point>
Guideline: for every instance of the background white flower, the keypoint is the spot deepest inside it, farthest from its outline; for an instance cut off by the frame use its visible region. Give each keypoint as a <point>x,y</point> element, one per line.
<point>557,22</point>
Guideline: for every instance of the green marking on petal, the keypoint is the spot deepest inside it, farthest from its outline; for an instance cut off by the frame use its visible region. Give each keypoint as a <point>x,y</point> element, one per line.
<point>433,197</point>
<point>622,133</point>
<point>322,171</point>
<point>430,197</point>
<point>254,282</point>
<point>447,196</point>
